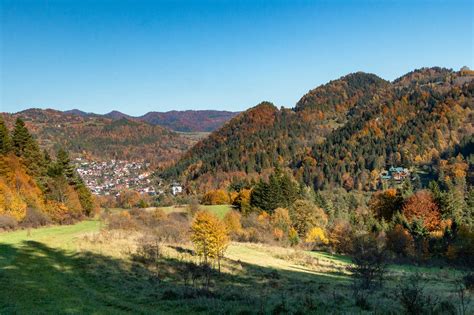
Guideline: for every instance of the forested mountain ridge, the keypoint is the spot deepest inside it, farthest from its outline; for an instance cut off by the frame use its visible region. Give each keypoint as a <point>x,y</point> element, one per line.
<point>102,138</point>
<point>183,121</point>
<point>342,133</point>
<point>189,120</point>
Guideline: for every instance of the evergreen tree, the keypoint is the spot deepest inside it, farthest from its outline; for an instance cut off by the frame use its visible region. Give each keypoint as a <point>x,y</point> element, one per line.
<point>5,141</point>
<point>20,137</point>
<point>27,148</point>
<point>64,163</point>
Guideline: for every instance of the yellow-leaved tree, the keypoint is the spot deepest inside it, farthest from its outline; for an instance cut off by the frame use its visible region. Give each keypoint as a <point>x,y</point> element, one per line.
<point>209,236</point>
<point>316,235</point>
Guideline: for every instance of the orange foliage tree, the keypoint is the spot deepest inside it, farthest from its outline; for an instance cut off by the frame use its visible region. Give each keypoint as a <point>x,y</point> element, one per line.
<point>216,197</point>
<point>421,206</point>
<point>385,204</point>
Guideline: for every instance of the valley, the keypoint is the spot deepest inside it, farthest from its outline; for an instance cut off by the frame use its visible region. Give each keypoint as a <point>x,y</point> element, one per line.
<point>93,270</point>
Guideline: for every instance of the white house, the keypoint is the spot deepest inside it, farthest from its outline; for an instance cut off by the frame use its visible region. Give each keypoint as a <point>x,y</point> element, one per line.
<point>176,188</point>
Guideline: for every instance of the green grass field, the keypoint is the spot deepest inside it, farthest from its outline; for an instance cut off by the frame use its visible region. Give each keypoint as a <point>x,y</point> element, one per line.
<point>219,210</point>
<point>81,269</point>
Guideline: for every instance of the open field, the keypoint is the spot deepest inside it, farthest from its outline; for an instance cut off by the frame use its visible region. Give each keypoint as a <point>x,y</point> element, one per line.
<point>89,270</point>
<point>219,210</point>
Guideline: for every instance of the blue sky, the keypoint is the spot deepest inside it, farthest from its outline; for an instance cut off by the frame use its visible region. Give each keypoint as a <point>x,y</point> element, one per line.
<point>139,56</point>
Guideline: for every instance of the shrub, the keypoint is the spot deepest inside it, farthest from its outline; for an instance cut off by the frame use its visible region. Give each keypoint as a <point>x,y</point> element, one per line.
<point>242,201</point>
<point>148,250</point>
<point>413,299</point>
<point>35,218</point>
<point>232,223</point>
<point>293,237</point>
<point>7,223</point>
<point>369,264</point>
<point>316,237</point>
<point>175,228</point>
<point>468,281</point>
<point>216,197</point>
<point>121,221</point>
<point>281,219</point>
<point>306,215</point>
<point>400,241</point>
<point>193,207</point>
<point>256,228</point>
<point>340,237</point>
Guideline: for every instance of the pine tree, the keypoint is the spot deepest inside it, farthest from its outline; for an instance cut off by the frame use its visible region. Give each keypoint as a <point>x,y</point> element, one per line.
<point>5,141</point>
<point>20,137</point>
<point>64,163</point>
<point>26,147</point>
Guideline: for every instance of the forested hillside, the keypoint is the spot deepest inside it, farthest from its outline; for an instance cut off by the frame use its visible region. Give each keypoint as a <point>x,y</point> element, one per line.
<point>344,133</point>
<point>104,138</point>
<point>189,120</point>
<point>184,121</point>
<point>36,189</point>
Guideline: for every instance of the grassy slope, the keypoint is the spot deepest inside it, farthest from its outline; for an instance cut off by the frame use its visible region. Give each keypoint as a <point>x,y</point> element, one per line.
<point>219,210</point>
<point>59,270</point>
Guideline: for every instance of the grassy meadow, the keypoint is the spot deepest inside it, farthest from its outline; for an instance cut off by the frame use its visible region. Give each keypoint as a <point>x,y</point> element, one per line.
<point>84,268</point>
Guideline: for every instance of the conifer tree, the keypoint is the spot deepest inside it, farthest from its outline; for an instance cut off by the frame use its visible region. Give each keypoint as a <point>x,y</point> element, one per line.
<point>5,141</point>
<point>64,163</point>
<point>20,137</point>
<point>26,147</point>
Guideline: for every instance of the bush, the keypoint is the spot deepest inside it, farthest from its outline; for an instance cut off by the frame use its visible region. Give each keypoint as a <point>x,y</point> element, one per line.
<point>7,223</point>
<point>121,221</point>
<point>148,250</point>
<point>216,197</point>
<point>306,215</point>
<point>233,224</point>
<point>369,264</point>
<point>35,218</point>
<point>340,237</point>
<point>400,241</point>
<point>193,207</point>
<point>468,281</point>
<point>174,229</point>
<point>413,299</point>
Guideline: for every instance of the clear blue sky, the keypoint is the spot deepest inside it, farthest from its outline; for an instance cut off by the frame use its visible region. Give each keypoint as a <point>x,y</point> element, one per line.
<point>138,56</point>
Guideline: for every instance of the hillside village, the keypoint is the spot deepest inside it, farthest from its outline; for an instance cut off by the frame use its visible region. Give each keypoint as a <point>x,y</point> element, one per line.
<point>110,177</point>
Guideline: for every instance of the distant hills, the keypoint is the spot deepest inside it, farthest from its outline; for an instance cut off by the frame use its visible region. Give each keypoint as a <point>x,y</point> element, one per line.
<point>342,133</point>
<point>184,121</point>
<point>115,135</point>
<point>102,138</point>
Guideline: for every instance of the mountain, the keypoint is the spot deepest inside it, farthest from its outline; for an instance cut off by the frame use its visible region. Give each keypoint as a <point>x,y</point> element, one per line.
<point>183,121</point>
<point>189,120</point>
<point>78,113</point>
<point>342,133</point>
<point>102,138</point>
<point>117,115</point>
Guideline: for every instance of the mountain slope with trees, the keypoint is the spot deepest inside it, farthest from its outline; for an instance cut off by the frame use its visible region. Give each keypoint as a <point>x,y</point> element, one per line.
<point>103,138</point>
<point>183,121</point>
<point>342,133</point>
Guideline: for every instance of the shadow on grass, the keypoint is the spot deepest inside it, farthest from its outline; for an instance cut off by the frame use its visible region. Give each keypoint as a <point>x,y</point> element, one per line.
<point>35,278</point>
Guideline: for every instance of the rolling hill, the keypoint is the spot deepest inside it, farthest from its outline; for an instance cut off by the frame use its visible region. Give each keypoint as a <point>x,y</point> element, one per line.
<point>183,121</point>
<point>342,133</point>
<point>104,138</point>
